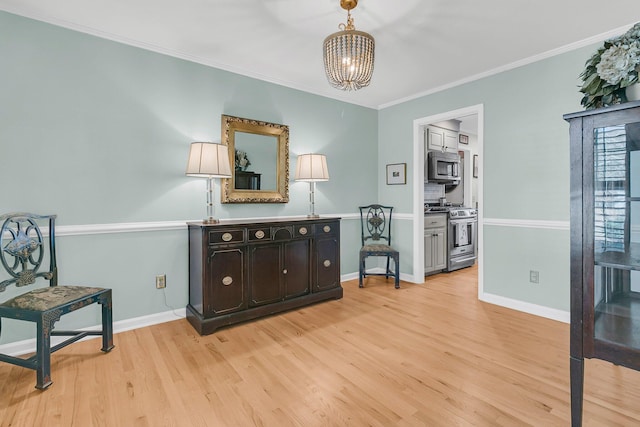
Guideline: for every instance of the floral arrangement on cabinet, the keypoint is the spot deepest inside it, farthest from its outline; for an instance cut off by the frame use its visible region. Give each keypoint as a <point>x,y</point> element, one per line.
<point>242,161</point>
<point>612,69</point>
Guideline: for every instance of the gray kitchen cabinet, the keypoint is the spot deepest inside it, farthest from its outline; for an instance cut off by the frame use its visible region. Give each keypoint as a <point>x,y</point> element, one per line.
<point>440,139</point>
<point>435,243</point>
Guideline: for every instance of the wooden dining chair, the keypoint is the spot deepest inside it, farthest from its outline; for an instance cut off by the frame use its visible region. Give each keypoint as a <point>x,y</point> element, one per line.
<point>27,255</point>
<point>375,225</point>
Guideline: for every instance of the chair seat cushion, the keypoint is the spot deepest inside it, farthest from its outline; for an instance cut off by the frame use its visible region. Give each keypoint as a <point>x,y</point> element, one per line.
<point>379,248</point>
<point>43,299</point>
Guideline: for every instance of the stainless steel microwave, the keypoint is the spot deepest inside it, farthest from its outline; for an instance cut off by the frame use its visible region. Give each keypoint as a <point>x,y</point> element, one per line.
<point>443,168</point>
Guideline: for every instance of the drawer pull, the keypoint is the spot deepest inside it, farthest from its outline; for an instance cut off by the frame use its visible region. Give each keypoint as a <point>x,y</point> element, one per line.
<point>326,229</point>
<point>327,263</point>
<point>303,230</point>
<point>284,271</point>
<point>227,237</point>
<point>227,280</point>
<point>259,234</point>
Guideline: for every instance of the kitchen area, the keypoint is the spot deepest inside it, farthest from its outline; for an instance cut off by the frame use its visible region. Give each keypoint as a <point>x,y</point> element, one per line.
<point>450,196</point>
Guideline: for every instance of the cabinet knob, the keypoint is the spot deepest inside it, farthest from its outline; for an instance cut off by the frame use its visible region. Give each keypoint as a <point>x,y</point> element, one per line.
<point>259,234</point>
<point>326,229</point>
<point>326,263</point>
<point>227,236</point>
<point>284,271</point>
<point>303,230</point>
<point>227,280</point>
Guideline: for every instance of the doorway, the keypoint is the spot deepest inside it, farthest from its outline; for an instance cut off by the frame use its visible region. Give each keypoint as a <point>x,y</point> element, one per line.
<point>472,114</point>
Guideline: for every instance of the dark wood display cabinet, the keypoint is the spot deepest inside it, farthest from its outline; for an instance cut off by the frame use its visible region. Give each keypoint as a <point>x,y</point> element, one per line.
<point>244,270</point>
<point>605,241</point>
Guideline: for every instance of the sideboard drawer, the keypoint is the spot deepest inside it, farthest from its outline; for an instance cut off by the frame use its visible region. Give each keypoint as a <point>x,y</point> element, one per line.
<point>259,234</point>
<point>226,236</point>
<point>327,229</point>
<point>305,230</point>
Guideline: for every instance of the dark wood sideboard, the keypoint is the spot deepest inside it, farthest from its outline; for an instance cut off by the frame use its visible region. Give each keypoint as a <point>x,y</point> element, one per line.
<point>241,270</point>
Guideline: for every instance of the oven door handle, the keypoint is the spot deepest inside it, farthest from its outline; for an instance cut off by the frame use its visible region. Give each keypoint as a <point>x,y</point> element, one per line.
<point>461,220</point>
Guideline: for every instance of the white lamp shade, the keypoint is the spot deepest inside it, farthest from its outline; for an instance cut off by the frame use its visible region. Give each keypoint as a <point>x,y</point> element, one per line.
<point>207,159</point>
<point>312,167</point>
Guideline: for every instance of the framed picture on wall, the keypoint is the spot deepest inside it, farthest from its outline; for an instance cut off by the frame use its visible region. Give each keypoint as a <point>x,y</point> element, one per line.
<point>463,139</point>
<point>396,173</point>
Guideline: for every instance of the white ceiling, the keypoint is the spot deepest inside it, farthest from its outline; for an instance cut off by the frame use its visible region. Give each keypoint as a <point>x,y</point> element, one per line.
<point>421,45</point>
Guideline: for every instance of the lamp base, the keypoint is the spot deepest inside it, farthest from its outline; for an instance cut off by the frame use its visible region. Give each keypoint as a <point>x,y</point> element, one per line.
<point>313,216</point>
<point>211,221</point>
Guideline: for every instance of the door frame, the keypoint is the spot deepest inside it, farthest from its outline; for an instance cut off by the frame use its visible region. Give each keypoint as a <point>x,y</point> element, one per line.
<point>418,187</point>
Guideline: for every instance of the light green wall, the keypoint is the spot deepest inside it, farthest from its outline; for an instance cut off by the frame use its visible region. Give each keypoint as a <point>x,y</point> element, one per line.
<point>545,251</point>
<point>526,170</point>
<point>98,133</point>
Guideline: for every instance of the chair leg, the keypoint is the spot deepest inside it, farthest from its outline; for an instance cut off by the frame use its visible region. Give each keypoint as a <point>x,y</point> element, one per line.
<point>107,323</point>
<point>396,260</point>
<point>386,274</point>
<point>43,353</point>
<point>361,272</point>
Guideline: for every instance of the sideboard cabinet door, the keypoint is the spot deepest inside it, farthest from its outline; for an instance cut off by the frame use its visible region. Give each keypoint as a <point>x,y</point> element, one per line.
<point>327,256</point>
<point>265,263</point>
<point>225,285</point>
<point>296,268</point>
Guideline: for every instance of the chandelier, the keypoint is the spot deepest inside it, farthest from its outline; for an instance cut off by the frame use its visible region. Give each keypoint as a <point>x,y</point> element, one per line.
<point>348,54</point>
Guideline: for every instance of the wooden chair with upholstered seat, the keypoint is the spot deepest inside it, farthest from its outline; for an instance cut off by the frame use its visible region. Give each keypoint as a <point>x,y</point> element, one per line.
<point>375,224</point>
<point>25,254</point>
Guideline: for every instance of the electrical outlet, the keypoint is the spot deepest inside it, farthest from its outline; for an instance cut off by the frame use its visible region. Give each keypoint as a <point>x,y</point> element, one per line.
<point>161,281</point>
<point>534,276</point>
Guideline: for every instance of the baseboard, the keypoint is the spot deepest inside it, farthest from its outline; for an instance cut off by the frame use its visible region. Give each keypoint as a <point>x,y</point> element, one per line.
<point>28,346</point>
<point>535,309</point>
<point>354,276</point>
<point>526,307</point>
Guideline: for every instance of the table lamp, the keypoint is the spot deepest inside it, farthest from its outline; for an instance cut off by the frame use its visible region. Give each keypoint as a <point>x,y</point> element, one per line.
<point>312,168</point>
<point>209,160</point>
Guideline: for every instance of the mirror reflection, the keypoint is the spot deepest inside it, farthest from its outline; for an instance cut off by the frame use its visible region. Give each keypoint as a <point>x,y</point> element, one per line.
<point>256,160</point>
<point>259,152</point>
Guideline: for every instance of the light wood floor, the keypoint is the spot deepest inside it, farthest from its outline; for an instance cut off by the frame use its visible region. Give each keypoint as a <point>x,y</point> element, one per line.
<point>423,355</point>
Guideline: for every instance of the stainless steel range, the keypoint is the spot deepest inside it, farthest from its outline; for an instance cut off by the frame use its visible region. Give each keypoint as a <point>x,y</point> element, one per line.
<point>462,238</point>
<point>462,234</point>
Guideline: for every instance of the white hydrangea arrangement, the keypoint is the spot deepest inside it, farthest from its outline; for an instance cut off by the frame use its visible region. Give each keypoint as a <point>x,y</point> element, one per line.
<point>611,69</point>
<point>242,161</point>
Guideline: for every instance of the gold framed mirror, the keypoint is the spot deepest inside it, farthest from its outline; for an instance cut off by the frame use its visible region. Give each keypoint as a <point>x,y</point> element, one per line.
<point>259,155</point>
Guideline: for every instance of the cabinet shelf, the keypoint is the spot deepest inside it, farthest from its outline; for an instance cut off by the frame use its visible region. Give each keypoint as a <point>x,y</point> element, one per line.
<point>618,321</point>
<point>628,260</point>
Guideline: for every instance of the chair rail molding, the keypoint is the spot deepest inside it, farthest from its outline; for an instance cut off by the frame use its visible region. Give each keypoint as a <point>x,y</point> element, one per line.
<point>527,223</point>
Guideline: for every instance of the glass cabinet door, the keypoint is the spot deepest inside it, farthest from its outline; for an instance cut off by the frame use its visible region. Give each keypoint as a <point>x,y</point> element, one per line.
<point>616,232</point>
